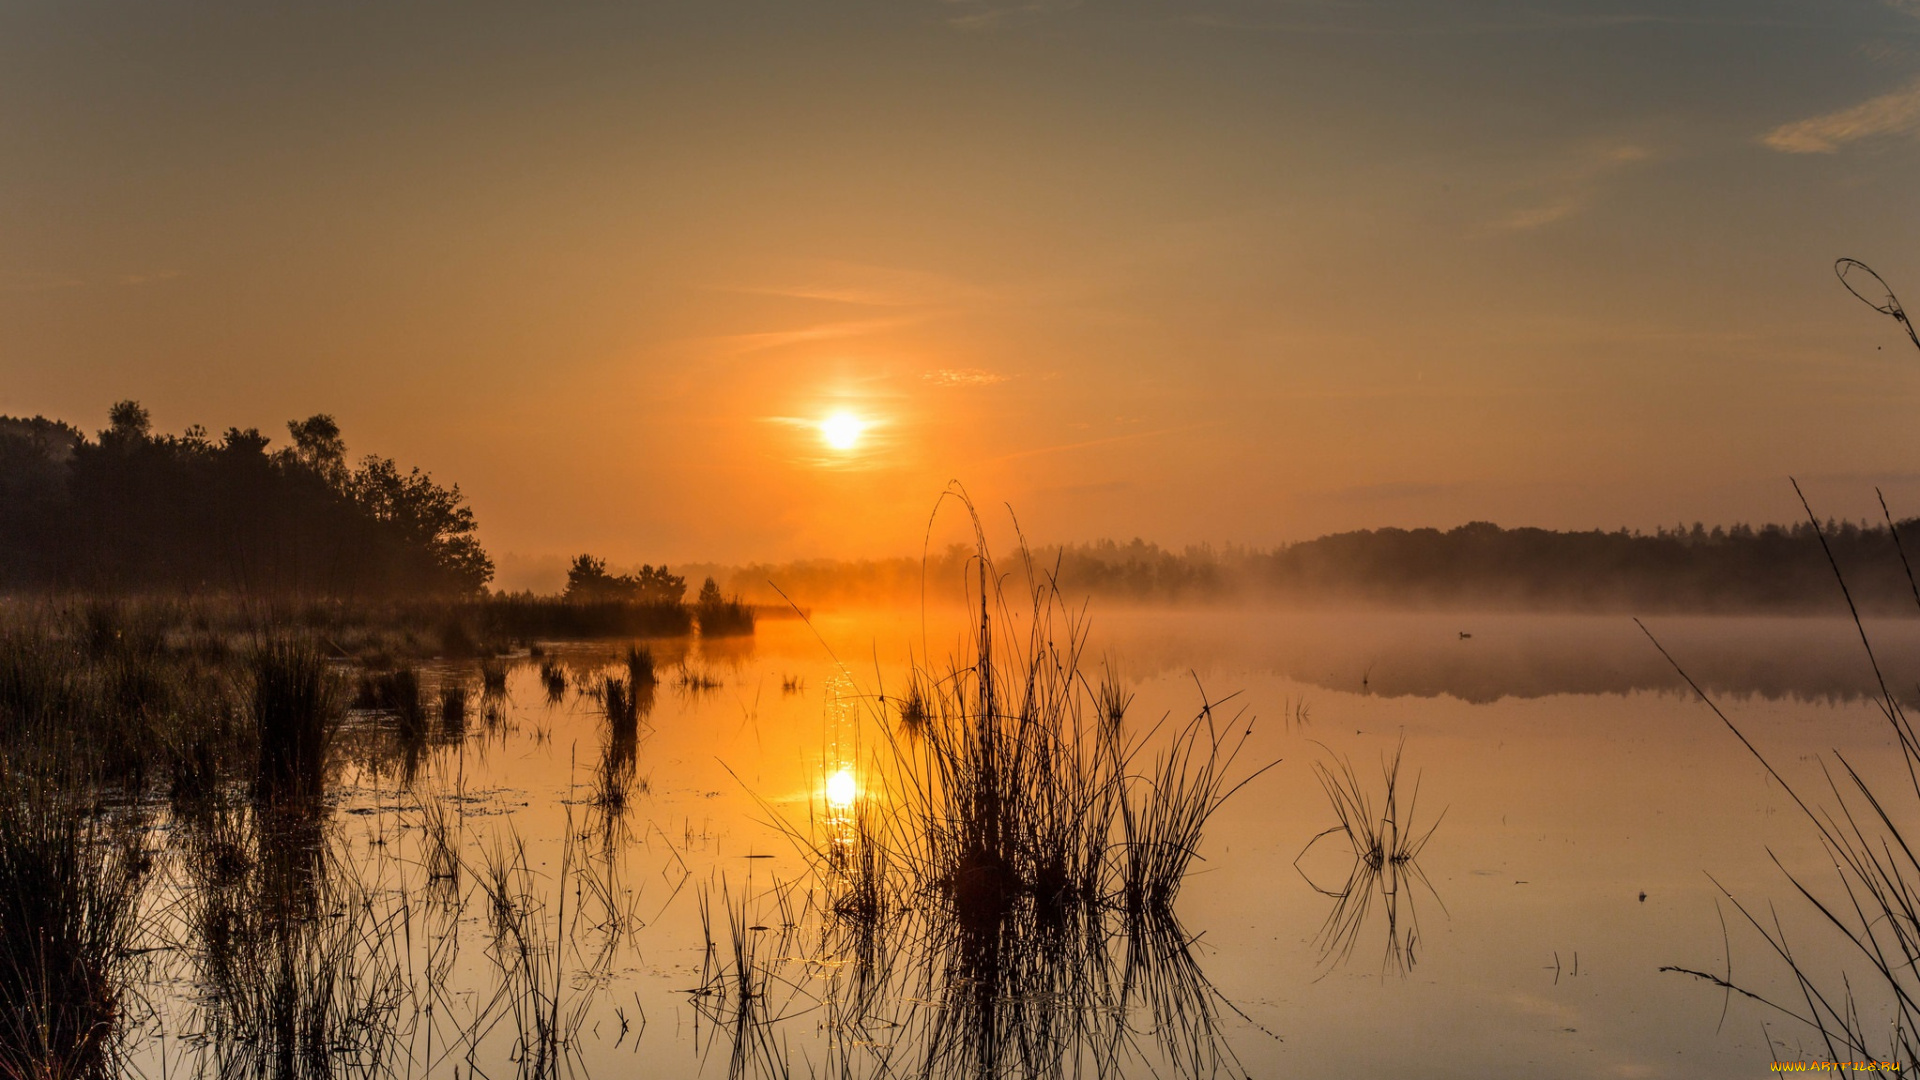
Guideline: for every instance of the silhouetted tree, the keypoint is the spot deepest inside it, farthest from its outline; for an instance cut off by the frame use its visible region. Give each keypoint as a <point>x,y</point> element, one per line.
<point>588,580</point>
<point>134,510</point>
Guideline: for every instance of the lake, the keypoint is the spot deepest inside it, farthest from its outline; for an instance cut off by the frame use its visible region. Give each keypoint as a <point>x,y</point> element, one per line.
<point>1586,813</point>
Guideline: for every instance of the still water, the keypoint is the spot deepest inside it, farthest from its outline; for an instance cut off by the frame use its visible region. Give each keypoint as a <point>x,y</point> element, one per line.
<point>1583,806</point>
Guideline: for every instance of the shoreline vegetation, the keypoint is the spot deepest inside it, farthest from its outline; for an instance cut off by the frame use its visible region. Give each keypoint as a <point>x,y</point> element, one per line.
<point>226,531</point>
<point>1739,569</point>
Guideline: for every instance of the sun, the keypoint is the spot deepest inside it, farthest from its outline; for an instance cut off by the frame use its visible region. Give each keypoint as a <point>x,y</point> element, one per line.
<point>842,430</point>
<point>842,789</point>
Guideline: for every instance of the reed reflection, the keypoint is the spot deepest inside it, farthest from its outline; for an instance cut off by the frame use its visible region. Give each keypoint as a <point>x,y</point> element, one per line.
<point>1384,843</point>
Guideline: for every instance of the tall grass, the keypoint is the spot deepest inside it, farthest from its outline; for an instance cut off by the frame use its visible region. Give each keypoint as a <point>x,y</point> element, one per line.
<point>70,894</point>
<point>302,964</point>
<point>397,694</point>
<point>294,702</point>
<point>1022,785</point>
<point>453,709</point>
<point>1871,1011</point>
<point>1002,894</point>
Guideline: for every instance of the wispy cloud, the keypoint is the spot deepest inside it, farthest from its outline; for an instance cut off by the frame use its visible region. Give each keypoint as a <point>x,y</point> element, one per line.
<point>740,344</point>
<point>1896,113</point>
<point>1571,186</point>
<point>964,377</point>
<point>859,284</point>
<point>992,15</point>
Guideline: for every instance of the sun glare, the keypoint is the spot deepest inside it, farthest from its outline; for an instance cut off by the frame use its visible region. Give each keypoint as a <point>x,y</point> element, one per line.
<point>842,789</point>
<point>842,430</point>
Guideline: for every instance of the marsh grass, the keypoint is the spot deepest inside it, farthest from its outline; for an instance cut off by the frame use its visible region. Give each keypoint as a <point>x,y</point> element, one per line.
<point>396,694</point>
<point>1024,788</point>
<point>453,709</point>
<point>302,965</point>
<point>546,998</point>
<point>640,667</point>
<point>719,616</point>
<point>294,702</point>
<point>1870,1010</point>
<point>71,883</point>
<point>1000,895</point>
<point>493,678</point>
<point>1385,840</point>
<point>613,778</point>
<point>525,616</point>
<point>553,678</point>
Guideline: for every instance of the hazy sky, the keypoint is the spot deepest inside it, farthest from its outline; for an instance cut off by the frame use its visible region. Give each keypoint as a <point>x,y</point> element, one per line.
<point>1242,272</point>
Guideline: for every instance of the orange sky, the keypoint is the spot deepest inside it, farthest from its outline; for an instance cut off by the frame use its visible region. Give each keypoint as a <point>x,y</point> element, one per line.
<point>1231,272</point>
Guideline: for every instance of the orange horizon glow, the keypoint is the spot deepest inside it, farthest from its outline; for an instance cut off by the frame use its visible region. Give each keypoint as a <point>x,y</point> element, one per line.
<point>1128,275</point>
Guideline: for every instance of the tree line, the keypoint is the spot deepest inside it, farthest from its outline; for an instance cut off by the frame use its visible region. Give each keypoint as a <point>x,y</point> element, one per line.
<point>129,510</point>
<point>1738,568</point>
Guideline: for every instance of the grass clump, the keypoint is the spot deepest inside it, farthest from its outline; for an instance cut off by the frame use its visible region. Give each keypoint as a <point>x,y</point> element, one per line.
<point>70,891</point>
<point>397,694</point>
<point>1385,844</point>
<point>294,704</point>
<point>553,678</point>
<point>721,616</point>
<point>641,669</point>
<point>493,678</point>
<point>999,881</point>
<point>453,709</point>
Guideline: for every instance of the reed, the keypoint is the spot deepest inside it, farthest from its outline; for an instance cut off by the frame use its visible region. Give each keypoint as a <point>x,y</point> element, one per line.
<point>493,678</point>
<point>70,897</point>
<point>397,694</point>
<point>554,678</point>
<point>613,779</point>
<point>294,705</point>
<point>640,667</point>
<point>1872,904</point>
<point>1385,842</point>
<point>302,963</point>
<point>1000,901</point>
<point>453,709</point>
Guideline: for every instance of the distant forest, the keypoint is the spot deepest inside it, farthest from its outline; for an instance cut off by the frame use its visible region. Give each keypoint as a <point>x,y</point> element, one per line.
<point>132,511</point>
<point>1479,565</point>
